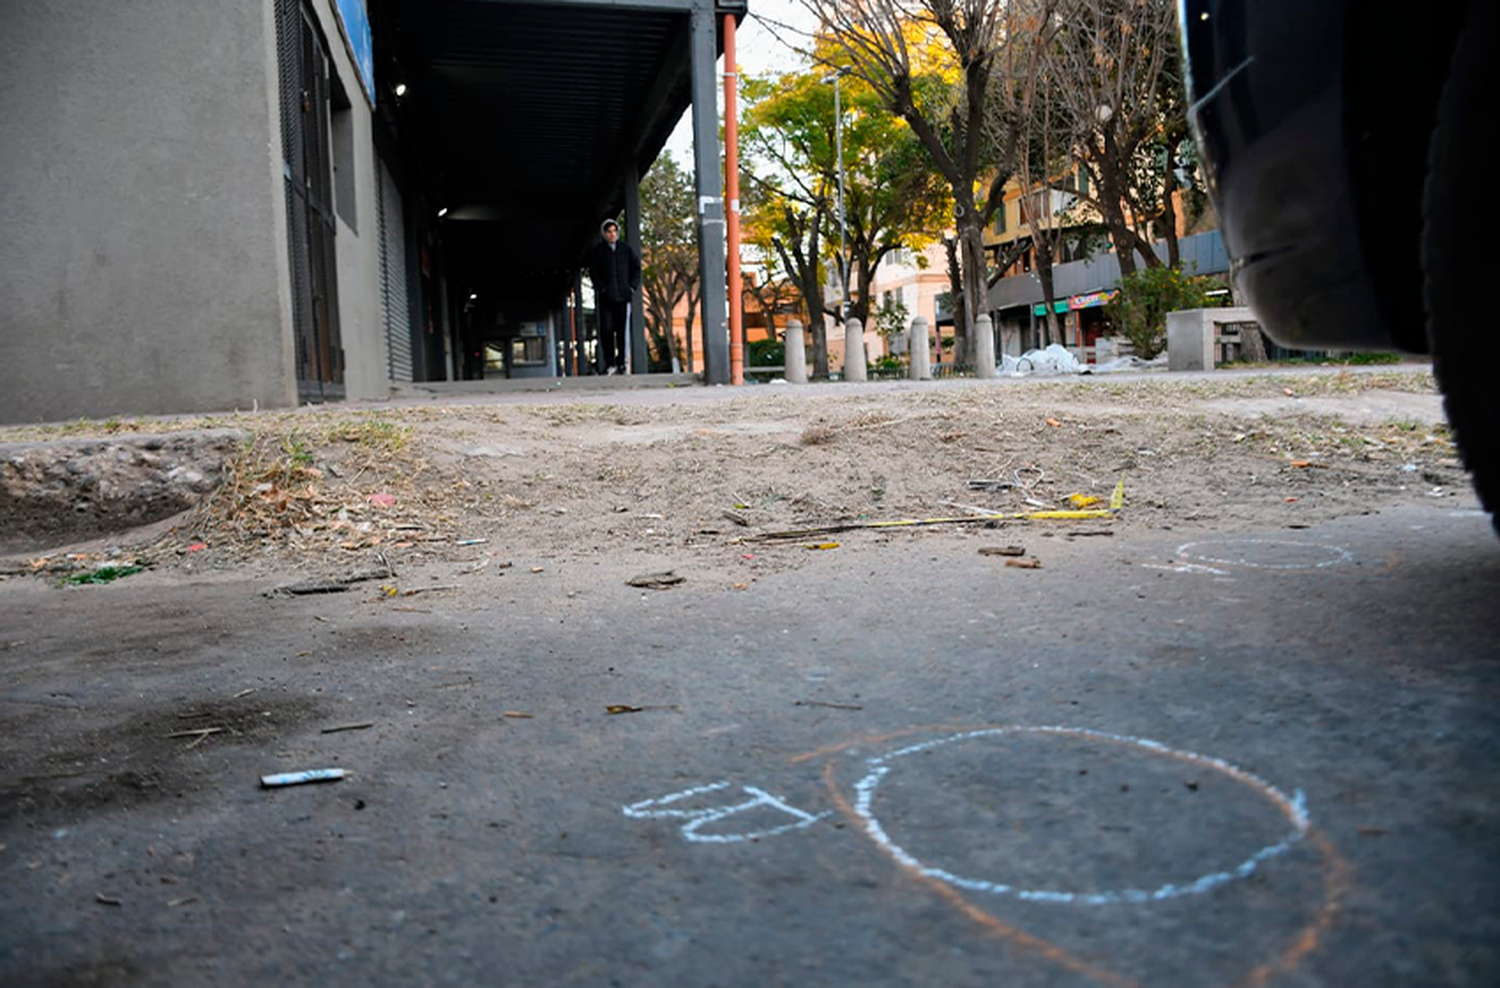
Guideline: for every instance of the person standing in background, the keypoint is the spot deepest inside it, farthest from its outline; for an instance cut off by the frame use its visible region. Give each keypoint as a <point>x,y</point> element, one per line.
<point>615,269</point>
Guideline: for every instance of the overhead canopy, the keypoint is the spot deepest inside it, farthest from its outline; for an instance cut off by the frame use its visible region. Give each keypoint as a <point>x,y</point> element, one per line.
<point>530,117</point>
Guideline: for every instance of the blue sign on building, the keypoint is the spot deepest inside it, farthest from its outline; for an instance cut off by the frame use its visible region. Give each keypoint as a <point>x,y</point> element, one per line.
<point>355,21</point>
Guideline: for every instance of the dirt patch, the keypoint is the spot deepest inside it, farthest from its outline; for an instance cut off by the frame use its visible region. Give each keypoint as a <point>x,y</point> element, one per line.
<point>65,490</point>
<point>473,486</point>
<point>142,759</point>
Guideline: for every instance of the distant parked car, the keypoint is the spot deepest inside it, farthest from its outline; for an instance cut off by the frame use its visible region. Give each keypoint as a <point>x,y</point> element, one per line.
<point>1344,145</point>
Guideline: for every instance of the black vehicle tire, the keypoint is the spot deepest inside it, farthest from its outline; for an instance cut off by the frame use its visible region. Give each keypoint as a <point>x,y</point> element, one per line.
<point>1459,215</point>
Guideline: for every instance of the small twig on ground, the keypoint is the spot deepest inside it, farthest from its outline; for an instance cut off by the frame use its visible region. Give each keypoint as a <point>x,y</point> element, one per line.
<point>347,727</point>
<point>824,703</point>
<point>983,512</point>
<point>196,732</point>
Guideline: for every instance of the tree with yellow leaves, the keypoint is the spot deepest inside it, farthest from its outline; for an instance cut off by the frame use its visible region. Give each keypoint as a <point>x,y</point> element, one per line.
<point>892,197</point>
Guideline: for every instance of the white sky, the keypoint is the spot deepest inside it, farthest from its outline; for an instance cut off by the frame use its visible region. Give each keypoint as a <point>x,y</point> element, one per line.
<point>759,52</point>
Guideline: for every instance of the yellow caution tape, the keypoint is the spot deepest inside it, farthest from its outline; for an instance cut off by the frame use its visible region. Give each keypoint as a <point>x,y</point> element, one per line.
<point>1117,499</point>
<point>1082,500</point>
<point>1066,515</point>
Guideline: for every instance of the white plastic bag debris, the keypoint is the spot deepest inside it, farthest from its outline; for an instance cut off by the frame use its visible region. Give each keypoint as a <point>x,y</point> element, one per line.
<point>1054,359</point>
<point>1128,363</point>
<point>1057,359</point>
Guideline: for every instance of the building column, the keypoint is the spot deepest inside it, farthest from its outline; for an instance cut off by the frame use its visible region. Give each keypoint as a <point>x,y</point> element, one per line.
<point>575,346</point>
<point>640,362</point>
<point>708,170</point>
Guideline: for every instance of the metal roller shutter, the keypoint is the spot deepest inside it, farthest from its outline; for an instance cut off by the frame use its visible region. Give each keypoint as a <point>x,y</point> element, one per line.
<point>393,296</point>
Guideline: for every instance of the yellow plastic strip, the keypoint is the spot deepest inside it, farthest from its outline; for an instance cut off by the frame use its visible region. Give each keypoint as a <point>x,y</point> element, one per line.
<point>1117,499</point>
<point>1065,515</point>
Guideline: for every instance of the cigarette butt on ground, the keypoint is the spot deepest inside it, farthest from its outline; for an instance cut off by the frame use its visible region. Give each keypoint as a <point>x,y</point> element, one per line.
<point>298,778</point>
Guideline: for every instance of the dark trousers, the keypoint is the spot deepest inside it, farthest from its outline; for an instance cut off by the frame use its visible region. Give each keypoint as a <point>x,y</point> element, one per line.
<point>612,335</point>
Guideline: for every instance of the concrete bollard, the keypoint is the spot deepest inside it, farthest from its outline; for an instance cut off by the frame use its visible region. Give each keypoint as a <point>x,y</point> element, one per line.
<point>854,351</point>
<point>984,347</point>
<point>920,361</point>
<point>796,354</point>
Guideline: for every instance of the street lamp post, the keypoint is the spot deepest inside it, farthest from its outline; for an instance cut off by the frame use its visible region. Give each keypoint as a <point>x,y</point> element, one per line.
<point>838,150</point>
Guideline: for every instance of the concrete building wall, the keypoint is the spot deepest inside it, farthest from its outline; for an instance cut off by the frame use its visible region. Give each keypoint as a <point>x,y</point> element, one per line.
<point>141,268</point>
<point>920,286</point>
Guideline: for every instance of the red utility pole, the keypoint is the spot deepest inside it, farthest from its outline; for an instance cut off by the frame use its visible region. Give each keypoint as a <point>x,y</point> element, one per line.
<point>732,194</point>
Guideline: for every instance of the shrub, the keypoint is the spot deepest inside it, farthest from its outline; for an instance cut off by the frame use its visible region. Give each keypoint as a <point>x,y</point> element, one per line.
<point>1139,312</point>
<point>767,353</point>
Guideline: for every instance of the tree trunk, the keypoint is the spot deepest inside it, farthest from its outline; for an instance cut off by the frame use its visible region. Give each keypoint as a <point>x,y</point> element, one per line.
<point>1112,199</point>
<point>971,243</point>
<point>1120,233</point>
<point>1169,217</point>
<point>859,307</point>
<point>812,299</point>
<point>956,306</point>
<point>804,268</point>
<point>1044,275</point>
<point>1252,344</point>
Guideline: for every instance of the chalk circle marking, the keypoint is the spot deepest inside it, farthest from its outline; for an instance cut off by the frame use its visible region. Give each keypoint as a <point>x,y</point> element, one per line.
<point>1293,807</point>
<point>1335,555</point>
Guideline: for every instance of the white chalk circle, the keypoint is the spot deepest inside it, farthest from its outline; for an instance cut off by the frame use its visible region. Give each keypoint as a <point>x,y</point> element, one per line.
<point>1293,807</point>
<point>1276,554</point>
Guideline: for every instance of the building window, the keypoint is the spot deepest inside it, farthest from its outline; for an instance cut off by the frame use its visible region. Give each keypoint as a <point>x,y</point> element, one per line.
<point>1083,180</point>
<point>528,350</point>
<point>1000,218</point>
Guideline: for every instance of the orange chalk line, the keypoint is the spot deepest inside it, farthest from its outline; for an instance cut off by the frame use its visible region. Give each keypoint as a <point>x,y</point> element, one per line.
<point>833,749</point>
<point>1336,880</point>
<point>990,923</point>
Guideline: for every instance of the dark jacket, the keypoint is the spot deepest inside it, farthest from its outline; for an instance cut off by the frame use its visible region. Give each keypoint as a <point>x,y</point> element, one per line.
<point>616,273</point>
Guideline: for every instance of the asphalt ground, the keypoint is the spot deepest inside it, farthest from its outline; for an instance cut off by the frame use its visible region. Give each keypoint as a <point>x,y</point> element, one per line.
<point>1234,757</point>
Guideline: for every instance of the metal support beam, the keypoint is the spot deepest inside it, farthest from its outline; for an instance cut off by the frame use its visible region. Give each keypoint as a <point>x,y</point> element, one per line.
<point>612,4</point>
<point>639,362</point>
<point>709,174</point>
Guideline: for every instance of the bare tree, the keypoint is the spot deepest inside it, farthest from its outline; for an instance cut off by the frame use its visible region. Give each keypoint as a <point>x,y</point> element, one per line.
<point>1111,54</point>
<point>1044,132</point>
<point>669,255</point>
<point>934,63</point>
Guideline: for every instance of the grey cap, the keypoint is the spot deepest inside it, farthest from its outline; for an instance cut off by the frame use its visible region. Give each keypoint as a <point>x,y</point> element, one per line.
<point>609,221</point>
